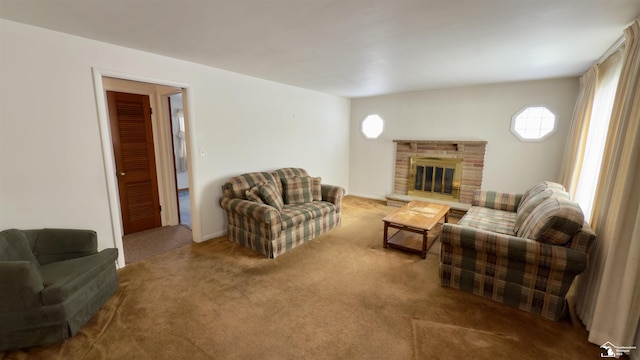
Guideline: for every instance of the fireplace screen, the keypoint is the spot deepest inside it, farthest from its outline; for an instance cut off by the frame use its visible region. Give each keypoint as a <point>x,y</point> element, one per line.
<point>435,177</point>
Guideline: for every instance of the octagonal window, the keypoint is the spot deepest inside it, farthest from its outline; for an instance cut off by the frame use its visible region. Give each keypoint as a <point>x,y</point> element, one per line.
<point>372,126</point>
<point>533,123</point>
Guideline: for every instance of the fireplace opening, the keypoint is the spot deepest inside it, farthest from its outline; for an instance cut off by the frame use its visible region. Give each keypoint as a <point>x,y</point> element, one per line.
<point>437,178</point>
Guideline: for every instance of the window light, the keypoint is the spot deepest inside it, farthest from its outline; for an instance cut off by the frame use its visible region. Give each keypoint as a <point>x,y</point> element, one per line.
<point>533,123</point>
<point>372,126</point>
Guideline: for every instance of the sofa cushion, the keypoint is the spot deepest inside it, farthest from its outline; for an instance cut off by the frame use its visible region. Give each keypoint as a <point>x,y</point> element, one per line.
<point>318,208</point>
<point>540,187</point>
<point>286,173</point>
<point>553,221</point>
<point>271,196</point>
<point>237,186</point>
<point>299,190</point>
<point>496,200</point>
<point>64,278</point>
<point>489,219</point>
<point>294,215</point>
<point>528,205</point>
<point>253,194</point>
<point>316,188</point>
<point>50,245</point>
<point>15,246</point>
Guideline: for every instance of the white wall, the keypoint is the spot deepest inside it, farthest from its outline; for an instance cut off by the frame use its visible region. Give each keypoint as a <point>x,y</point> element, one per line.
<point>51,163</point>
<point>470,113</point>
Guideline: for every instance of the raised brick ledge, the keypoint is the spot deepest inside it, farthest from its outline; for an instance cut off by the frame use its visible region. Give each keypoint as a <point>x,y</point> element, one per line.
<point>399,200</point>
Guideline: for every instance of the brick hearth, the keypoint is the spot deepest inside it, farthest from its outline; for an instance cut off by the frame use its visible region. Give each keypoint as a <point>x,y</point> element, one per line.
<point>471,153</point>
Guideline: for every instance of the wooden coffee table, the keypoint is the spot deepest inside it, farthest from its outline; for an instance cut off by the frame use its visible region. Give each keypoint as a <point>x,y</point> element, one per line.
<point>415,222</point>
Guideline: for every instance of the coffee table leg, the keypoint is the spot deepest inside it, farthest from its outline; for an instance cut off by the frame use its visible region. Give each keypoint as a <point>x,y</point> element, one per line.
<point>425,236</point>
<point>386,228</point>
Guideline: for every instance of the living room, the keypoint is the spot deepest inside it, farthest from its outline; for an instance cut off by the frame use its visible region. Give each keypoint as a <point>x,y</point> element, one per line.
<point>55,162</point>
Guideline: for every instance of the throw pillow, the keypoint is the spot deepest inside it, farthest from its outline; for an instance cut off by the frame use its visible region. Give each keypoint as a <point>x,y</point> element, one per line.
<point>271,196</point>
<point>528,205</point>
<point>316,188</point>
<point>297,190</point>
<point>540,187</point>
<point>554,221</point>
<point>253,194</point>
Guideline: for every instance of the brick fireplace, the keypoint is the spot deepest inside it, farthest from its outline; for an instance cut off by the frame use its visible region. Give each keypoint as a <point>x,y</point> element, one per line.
<point>470,153</point>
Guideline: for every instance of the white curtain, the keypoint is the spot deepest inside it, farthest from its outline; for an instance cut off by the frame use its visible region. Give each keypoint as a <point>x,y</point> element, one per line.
<point>577,140</point>
<point>608,293</point>
<point>601,108</point>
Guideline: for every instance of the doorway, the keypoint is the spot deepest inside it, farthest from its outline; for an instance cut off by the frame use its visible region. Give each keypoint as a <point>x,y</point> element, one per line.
<point>178,131</point>
<point>167,178</point>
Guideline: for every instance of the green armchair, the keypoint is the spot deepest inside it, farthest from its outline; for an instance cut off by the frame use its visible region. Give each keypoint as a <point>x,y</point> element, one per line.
<point>52,282</point>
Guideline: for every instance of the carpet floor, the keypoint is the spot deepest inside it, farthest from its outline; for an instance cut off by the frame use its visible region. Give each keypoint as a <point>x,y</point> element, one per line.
<point>340,296</point>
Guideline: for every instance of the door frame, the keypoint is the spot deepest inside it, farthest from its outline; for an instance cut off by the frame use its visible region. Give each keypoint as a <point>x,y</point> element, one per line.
<point>109,160</point>
<point>162,137</point>
<point>166,102</point>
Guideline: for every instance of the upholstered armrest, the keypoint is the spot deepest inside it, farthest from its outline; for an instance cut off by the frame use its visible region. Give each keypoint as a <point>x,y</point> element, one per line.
<point>583,239</point>
<point>333,194</point>
<point>496,200</point>
<point>23,282</point>
<point>51,245</point>
<point>251,209</point>
<point>514,248</point>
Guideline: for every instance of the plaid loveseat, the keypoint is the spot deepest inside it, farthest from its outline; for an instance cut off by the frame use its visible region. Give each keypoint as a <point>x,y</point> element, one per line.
<point>274,212</point>
<point>523,250</point>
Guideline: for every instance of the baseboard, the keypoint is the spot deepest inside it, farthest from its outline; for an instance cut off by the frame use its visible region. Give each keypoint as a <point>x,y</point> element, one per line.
<point>372,197</point>
<point>213,236</point>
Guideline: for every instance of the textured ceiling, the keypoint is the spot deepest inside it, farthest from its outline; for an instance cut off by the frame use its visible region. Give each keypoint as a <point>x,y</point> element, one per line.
<point>353,48</point>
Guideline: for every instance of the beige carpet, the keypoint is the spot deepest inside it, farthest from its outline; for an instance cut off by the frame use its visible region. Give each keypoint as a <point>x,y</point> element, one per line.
<point>144,244</point>
<point>340,296</point>
<point>479,344</point>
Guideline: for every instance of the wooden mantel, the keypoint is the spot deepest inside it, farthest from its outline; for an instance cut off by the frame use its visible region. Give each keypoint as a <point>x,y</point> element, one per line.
<point>459,144</point>
<point>464,142</point>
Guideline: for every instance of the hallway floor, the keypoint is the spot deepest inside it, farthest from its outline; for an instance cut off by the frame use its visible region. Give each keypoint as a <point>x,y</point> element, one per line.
<point>184,206</point>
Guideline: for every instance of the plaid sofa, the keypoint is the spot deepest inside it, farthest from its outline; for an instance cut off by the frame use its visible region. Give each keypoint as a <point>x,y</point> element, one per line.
<point>523,250</point>
<point>274,212</point>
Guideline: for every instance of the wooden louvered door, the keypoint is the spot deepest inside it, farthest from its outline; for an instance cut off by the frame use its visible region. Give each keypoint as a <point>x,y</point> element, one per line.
<point>132,137</point>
